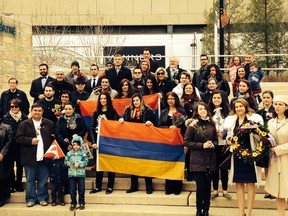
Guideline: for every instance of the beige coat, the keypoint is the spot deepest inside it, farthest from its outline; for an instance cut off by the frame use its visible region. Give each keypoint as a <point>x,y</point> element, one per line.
<point>229,125</point>
<point>277,178</point>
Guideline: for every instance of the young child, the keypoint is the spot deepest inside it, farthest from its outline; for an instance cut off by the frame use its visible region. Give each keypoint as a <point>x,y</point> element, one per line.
<point>58,175</point>
<point>255,77</point>
<point>76,160</point>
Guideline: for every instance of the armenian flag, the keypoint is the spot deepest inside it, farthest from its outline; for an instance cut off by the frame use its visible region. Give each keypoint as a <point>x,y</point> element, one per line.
<point>137,149</point>
<point>89,107</point>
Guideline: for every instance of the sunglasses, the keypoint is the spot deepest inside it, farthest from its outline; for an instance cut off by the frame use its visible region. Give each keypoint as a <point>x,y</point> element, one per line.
<point>14,107</point>
<point>160,73</point>
<point>137,72</point>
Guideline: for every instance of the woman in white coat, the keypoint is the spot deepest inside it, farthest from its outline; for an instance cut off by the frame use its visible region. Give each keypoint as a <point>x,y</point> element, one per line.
<point>276,181</point>
<point>243,173</point>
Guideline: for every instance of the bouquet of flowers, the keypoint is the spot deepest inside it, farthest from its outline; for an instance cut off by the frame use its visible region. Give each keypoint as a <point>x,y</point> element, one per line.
<point>178,119</point>
<point>199,129</point>
<point>262,144</point>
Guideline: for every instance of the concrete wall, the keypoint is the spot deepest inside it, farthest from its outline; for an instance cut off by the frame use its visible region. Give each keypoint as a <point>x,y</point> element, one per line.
<point>16,52</point>
<point>108,12</point>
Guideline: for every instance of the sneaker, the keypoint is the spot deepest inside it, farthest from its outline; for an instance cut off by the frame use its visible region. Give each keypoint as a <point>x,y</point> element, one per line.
<point>82,206</point>
<point>43,203</point>
<point>30,204</point>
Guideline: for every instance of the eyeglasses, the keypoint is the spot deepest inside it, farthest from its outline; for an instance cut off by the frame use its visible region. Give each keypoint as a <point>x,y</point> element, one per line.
<point>160,73</point>
<point>12,107</point>
<point>137,72</point>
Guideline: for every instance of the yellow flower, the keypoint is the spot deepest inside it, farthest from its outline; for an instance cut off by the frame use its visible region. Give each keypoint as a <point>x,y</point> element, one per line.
<point>259,148</point>
<point>235,138</point>
<point>263,133</point>
<point>235,146</point>
<point>258,130</point>
<point>247,124</point>
<point>254,154</point>
<point>244,153</point>
<point>260,143</point>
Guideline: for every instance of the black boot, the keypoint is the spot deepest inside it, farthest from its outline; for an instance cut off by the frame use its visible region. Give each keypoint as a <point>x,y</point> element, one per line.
<point>206,209</point>
<point>198,213</point>
<point>148,183</point>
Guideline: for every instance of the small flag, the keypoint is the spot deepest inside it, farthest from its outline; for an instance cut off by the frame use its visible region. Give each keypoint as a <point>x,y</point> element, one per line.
<point>54,150</point>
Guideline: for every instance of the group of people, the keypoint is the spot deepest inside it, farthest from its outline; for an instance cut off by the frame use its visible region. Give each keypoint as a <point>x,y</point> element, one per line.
<point>212,122</point>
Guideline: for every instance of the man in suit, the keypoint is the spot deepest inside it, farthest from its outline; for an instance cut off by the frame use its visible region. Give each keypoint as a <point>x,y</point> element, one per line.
<point>14,93</point>
<point>35,136</point>
<point>118,72</point>
<point>37,86</point>
<point>95,80</point>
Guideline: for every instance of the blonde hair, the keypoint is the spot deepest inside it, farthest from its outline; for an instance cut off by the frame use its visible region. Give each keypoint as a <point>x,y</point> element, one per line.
<point>245,103</point>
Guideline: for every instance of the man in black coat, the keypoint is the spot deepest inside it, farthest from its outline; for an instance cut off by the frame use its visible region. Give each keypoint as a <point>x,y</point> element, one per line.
<point>60,84</point>
<point>14,93</point>
<point>118,72</point>
<point>35,136</point>
<point>37,86</point>
<point>198,74</point>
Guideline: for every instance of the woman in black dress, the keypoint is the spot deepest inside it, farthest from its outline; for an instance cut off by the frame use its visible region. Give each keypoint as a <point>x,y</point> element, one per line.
<point>104,110</point>
<point>139,112</point>
<point>172,103</point>
<point>242,172</point>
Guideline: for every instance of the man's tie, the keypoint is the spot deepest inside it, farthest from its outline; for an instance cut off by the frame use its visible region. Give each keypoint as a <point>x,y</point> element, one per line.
<point>94,83</point>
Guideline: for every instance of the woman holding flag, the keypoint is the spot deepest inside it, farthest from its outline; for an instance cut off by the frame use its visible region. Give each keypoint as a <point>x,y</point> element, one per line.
<point>139,112</point>
<point>168,119</point>
<point>104,110</point>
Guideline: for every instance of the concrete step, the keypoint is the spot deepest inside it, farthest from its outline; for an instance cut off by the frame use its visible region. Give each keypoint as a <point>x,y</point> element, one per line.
<point>19,209</point>
<point>157,198</point>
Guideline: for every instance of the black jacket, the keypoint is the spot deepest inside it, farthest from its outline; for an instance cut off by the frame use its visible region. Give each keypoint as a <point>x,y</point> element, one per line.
<point>26,132</point>
<point>124,73</point>
<point>62,131</point>
<point>5,145</point>
<point>146,115</point>
<point>60,86</point>
<point>36,87</point>
<point>7,95</point>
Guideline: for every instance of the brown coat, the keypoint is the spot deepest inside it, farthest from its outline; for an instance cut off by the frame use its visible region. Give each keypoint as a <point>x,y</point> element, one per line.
<point>201,160</point>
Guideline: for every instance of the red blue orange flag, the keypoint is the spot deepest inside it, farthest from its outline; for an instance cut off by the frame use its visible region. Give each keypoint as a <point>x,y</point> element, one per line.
<point>89,107</point>
<point>137,149</point>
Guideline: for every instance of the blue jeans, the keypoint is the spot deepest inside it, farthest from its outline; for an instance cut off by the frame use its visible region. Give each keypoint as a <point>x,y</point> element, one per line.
<point>80,181</point>
<point>40,173</point>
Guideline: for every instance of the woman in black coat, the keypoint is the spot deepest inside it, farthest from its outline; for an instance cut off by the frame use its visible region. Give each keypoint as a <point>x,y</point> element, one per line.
<point>104,110</point>
<point>5,161</point>
<point>201,138</point>
<point>67,125</point>
<point>139,112</point>
<point>172,103</point>
<point>13,118</point>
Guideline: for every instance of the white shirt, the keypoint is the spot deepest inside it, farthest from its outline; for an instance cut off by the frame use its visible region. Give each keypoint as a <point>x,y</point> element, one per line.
<point>40,145</point>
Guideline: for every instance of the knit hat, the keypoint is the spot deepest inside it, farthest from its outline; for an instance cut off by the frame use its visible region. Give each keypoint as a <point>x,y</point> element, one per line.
<point>76,63</point>
<point>281,98</point>
<point>77,139</point>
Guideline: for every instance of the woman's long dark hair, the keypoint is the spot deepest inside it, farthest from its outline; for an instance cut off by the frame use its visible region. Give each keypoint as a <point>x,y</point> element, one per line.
<point>237,79</point>
<point>155,88</point>
<point>249,91</point>
<point>224,105</point>
<point>130,89</point>
<point>109,103</point>
<point>196,114</point>
<point>219,75</point>
<point>173,94</point>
